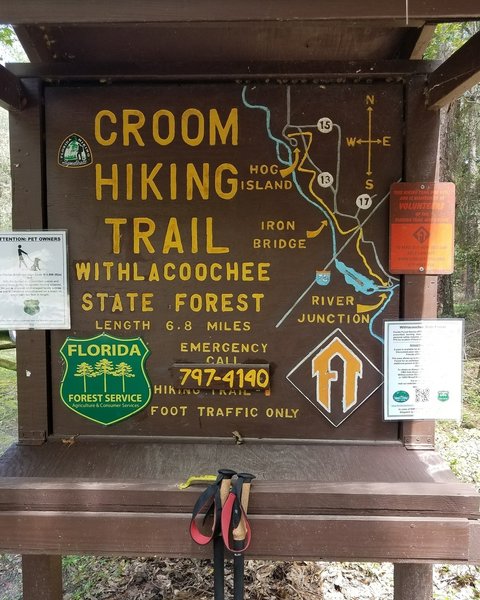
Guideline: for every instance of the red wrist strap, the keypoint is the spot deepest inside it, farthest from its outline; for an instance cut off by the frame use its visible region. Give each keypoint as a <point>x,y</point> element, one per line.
<point>232,515</point>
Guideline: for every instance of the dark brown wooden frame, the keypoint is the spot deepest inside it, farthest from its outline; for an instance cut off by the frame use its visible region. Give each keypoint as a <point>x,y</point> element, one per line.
<point>12,94</point>
<point>117,11</point>
<point>27,159</point>
<point>456,75</point>
<point>419,293</point>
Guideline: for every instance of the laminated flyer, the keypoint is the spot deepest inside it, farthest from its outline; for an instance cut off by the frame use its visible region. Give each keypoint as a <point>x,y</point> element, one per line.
<point>34,280</point>
<point>423,369</point>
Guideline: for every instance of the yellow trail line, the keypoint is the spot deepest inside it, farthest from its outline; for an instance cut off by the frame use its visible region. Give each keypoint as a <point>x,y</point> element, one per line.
<point>369,269</point>
<point>302,169</point>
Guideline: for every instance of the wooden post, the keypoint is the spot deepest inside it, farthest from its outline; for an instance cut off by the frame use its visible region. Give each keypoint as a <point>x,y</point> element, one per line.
<point>413,582</point>
<point>12,93</point>
<point>419,292</point>
<point>27,159</point>
<point>42,577</point>
<point>419,301</point>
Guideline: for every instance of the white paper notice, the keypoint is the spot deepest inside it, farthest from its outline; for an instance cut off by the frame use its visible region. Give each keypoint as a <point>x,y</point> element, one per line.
<point>33,280</point>
<point>423,369</point>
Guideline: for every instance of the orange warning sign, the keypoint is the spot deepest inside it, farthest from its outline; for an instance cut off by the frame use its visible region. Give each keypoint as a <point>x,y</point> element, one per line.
<point>422,225</point>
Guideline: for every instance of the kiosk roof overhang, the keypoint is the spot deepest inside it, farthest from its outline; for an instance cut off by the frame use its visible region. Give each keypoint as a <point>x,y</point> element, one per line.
<point>119,31</point>
<point>123,11</point>
<point>160,39</point>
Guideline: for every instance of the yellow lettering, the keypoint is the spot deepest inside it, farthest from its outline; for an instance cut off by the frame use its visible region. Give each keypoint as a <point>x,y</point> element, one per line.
<point>115,222</point>
<point>211,248</point>
<point>202,185</point>
<point>143,235</point>
<point>129,181</point>
<point>173,239</point>
<point>104,141</point>
<point>131,301</point>
<point>147,181</point>
<point>170,127</point>
<point>230,127</point>
<point>226,193</point>
<point>87,303</point>
<point>133,120</point>
<point>101,181</point>
<point>193,114</point>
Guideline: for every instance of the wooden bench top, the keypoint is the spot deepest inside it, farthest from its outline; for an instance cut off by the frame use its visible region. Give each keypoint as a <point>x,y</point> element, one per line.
<point>326,463</point>
<point>293,479</point>
<point>309,501</point>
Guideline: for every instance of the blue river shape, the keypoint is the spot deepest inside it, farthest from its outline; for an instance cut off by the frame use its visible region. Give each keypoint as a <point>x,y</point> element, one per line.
<point>361,283</point>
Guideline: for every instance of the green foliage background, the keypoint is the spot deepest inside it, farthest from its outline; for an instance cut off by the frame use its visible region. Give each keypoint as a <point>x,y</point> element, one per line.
<point>10,50</point>
<point>6,36</point>
<point>460,163</point>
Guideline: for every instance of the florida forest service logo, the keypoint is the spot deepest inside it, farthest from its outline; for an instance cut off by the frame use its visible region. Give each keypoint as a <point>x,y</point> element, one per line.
<point>31,306</point>
<point>74,152</point>
<point>105,379</point>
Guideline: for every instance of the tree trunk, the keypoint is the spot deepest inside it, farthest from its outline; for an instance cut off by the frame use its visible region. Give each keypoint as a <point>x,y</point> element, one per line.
<point>445,296</point>
<point>413,582</point>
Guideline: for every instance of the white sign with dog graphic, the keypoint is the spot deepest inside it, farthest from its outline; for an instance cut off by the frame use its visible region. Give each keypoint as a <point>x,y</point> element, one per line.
<point>33,280</point>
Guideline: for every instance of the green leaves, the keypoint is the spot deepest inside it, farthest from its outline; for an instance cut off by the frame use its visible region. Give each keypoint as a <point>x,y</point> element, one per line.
<point>6,35</point>
<point>448,38</point>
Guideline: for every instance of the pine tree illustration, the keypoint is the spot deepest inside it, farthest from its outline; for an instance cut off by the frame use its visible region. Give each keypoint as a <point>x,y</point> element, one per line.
<point>104,367</point>
<point>123,370</point>
<point>84,370</point>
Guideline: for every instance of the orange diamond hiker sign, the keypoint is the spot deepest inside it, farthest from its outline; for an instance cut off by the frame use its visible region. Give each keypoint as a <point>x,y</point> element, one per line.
<point>336,377</point>
<point>422,225</point>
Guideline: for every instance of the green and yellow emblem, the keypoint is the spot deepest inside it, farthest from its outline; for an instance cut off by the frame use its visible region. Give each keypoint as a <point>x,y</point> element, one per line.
<point>105,379</point>
<point>74,152</point>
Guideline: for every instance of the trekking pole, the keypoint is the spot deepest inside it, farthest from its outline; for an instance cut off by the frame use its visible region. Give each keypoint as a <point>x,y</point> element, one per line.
<point>204,530</point>
<point>239,535</point>
<point>218,545</point>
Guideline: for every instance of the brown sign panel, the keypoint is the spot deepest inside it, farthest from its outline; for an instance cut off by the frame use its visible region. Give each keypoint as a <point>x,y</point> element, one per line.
<point>229,225</point>
<point>422,227</point>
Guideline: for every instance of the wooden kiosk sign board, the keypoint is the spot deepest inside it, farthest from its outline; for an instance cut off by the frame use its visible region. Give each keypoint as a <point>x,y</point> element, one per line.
<point>239,232</point>
<point>228,257</point>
